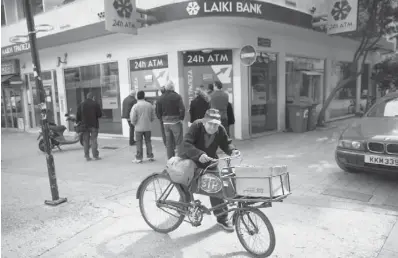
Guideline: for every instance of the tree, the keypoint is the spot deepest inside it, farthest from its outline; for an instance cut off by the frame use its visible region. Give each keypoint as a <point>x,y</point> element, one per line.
<point>386,72</point>
<point>376,18</point>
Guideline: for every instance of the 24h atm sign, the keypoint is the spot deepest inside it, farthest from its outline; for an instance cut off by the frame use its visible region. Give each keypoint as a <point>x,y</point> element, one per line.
<point>342,16</point>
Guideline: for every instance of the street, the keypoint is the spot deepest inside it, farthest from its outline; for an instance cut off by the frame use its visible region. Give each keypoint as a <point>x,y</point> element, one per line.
<point>330,213</point>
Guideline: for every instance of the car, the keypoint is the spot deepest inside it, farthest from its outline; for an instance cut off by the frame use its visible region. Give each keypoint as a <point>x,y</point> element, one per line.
<point>371,143</point>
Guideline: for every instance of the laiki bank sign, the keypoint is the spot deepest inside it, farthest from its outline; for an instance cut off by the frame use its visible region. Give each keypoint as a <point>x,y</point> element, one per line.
<point>236,8</point>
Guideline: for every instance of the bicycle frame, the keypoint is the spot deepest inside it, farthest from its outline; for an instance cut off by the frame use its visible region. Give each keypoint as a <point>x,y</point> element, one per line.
<point>241,202</point>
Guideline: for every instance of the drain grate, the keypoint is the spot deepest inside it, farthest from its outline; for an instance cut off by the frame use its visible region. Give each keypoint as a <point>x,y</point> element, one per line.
<point>109,148</point>
<point>340,193</point>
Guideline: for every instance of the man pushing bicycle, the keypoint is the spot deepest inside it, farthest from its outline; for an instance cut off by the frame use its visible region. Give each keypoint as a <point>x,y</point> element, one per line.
<point>201,143</point>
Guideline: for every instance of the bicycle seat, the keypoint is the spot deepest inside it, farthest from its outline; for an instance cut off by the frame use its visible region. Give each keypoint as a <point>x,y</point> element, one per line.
<point>57,128</point>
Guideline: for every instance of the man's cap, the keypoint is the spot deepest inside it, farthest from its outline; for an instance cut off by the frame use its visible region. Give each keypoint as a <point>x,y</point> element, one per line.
<point>213,116</point>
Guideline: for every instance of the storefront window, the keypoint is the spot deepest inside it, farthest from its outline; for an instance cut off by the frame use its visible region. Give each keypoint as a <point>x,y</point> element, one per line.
<point>304,79</point>
<point>264,93</point>
<point>103,81</point>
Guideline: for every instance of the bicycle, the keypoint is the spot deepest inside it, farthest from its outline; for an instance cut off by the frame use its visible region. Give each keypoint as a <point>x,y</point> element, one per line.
<point>242,199</point>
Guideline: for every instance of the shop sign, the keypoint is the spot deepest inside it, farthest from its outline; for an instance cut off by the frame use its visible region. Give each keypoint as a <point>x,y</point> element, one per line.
<point>121,16</point>
<point>342,16</point>
<point>15,49</point>
<point>10,67</point>
<point>149,63</point>
<point>263,42</point>
<point>248,55</point>
<point>215,57</point>
<point>233,8</point>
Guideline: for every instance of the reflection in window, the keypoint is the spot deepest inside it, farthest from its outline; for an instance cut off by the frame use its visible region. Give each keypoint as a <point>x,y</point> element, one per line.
<point>37,7</point>
<point>52,4</point>
<point>385,109</point>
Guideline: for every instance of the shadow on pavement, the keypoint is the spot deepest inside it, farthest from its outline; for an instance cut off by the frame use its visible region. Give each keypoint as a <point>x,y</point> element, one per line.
<point>155,244</point>
<point>233,254</point>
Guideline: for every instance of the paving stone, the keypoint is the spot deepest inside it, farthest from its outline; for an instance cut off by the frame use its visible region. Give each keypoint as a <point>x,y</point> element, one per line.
<point>347,194</point>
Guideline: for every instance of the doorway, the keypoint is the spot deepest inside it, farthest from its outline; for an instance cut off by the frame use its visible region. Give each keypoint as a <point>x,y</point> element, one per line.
<point>11,107</point>
<point>263,94</point>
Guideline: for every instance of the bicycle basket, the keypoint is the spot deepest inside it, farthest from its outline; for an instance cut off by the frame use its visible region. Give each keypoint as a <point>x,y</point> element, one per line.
<point>257,181</point>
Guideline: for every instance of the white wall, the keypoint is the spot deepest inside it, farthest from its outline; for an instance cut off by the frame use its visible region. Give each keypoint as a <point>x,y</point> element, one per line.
<point>190,35</point>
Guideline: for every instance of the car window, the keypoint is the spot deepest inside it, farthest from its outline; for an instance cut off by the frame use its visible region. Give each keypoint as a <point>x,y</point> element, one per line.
<point>385,109</point>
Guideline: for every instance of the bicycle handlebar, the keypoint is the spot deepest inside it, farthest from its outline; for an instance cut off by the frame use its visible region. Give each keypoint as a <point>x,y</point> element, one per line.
<point>214,162</point>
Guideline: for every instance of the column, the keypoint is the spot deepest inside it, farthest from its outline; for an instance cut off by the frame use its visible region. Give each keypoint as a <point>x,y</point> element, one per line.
<point>124,87</point>
<point>241,97</point>
<point>281,92</point>
<point>63,107</point>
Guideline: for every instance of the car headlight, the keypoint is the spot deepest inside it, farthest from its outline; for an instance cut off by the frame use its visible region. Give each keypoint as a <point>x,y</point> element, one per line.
<point>348,144</point>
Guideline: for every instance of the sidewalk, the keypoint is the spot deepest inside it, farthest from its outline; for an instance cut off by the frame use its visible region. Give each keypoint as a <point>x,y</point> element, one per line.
<point>102,219</point>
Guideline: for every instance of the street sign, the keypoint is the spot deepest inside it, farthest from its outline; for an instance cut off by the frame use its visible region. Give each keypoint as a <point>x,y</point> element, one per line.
<point>121,16</point>
<point>342,16</point>
<point>248,55</point>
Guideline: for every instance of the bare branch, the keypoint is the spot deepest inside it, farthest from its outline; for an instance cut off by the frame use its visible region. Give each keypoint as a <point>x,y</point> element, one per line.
<point>360,46</point>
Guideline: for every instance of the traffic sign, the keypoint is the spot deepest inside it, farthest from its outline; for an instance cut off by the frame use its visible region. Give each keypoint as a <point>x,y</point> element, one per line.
<point>248,55</point>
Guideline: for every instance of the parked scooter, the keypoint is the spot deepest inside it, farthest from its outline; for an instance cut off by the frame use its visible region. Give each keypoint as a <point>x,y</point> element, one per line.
<point>57,137</point>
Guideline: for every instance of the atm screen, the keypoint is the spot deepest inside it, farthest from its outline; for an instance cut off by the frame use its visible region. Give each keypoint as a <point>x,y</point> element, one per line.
<point>150,94</point>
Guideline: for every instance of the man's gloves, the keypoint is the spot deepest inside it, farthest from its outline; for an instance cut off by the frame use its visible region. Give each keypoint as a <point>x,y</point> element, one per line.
<point>235,153</point>
<point>204,158</point>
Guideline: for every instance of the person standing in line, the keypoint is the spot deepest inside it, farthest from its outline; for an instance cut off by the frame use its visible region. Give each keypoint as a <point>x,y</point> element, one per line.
<point>210,89</point>
<point>88,113</point>
<point>171,111</point>
<point>128,104</point>
<point>219,100</point>
<point>231,117</point>
<point>199,105</point>
<point>162,91</point>
<point>142,115</point>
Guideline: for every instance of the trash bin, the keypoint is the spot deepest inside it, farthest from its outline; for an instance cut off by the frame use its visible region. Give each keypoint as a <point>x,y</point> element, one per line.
<point>298,113</point>
<point>312,117</point>
<point>298,116</point>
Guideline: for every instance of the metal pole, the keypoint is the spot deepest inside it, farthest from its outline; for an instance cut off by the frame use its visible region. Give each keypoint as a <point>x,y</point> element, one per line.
<point>44,123</point>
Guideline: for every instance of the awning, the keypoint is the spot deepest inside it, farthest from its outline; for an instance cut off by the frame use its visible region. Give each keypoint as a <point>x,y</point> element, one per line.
<point>11,79</point>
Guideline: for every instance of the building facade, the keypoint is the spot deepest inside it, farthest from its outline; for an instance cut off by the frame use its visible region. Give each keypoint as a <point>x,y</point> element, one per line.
<point>194,43</point>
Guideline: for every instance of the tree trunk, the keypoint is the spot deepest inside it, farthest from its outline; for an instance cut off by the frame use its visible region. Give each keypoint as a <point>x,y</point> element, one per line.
<point>340,85</point>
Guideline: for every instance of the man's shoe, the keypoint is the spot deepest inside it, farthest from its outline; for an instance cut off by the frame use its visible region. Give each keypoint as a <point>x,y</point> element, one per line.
<point>226,225</point>
<point>97,158</point>
<point>151,159</point>
<point>88,159</point>
<point>137,161</point>
<point>132,143</point>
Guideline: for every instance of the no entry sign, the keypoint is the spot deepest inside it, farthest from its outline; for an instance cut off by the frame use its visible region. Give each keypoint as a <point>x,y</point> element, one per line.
<point>248,55</point>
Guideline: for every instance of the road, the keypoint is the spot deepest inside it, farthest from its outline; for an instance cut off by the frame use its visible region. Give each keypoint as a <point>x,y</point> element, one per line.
<point>329,214</point>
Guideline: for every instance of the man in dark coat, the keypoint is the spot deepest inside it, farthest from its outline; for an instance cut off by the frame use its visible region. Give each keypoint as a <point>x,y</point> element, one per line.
<point>162,91</point>
<point>199,105</point>
<point>171,110</point>
<point>219,100</point>
<point>88,113</point>
<point>128,104</point>
<point>200,144</point>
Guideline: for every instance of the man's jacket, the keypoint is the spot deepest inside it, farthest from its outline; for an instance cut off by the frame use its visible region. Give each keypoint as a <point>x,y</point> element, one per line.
<point>128,103</point>
<point>198,108</point>
<point>194,144</point>
<point>88,113</point>
<point>142,116</point>
<point>170,108</point>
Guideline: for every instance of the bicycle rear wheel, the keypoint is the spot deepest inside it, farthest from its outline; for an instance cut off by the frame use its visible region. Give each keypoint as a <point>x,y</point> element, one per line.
<point>151,191</point>
<point>248,223</point>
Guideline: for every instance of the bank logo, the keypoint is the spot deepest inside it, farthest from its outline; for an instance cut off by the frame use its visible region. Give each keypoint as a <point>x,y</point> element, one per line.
<point>341,10</point>
<point>124,8</point>
<point>193,8</point>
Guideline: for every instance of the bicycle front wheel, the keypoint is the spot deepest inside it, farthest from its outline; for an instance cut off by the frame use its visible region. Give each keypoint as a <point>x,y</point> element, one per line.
<point>254,237</point>
<point>161,219</point>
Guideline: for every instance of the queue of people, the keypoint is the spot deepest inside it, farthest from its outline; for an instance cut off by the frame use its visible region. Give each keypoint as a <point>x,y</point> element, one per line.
<point>170,111</point>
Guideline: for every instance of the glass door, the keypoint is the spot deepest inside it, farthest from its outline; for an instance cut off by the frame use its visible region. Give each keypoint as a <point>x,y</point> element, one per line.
<point>263,94</point>
<point>12,107</point>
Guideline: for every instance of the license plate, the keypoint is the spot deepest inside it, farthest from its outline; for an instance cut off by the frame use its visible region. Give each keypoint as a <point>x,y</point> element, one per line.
<point>382,160</point>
